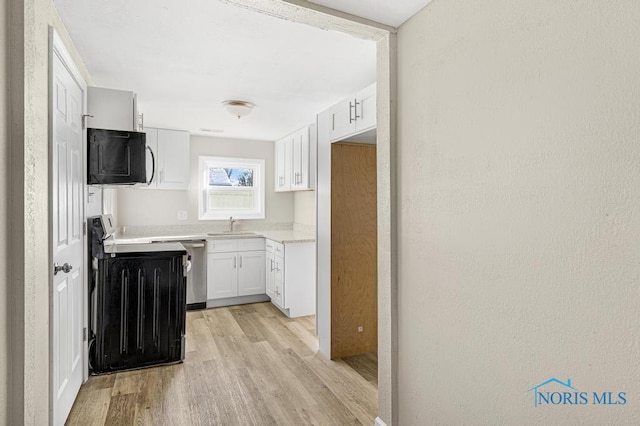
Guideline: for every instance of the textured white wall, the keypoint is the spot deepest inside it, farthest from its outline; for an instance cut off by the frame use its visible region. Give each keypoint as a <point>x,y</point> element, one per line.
<point>304,207</point>
<point>28,288</point>
<point>139,207</point>
<point>519,209</point>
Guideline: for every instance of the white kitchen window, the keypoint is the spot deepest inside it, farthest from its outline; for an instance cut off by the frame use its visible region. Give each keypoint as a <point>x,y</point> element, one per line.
<point>231,187</point>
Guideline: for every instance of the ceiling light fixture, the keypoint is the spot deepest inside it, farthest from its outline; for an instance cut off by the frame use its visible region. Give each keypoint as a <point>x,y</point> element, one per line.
<point>238,108</point>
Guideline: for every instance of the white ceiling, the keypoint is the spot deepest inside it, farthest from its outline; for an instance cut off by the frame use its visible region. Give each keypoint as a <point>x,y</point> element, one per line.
<point>183,62</point>
<point>389,12</point>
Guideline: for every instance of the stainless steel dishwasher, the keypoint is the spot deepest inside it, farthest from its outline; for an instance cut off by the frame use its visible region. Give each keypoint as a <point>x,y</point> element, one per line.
<point>197,273</point>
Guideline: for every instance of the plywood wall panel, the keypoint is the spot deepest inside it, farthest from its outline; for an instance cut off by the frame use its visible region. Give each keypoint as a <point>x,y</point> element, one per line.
<point>353,250</point>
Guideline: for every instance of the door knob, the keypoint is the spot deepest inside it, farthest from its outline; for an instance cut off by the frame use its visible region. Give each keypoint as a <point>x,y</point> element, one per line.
<point>66,268</point>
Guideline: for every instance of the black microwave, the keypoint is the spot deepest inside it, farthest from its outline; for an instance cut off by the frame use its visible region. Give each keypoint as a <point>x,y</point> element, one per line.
<point>116,157</point>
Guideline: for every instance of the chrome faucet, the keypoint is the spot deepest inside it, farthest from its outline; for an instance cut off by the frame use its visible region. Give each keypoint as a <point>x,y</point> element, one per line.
<point>231,220</point>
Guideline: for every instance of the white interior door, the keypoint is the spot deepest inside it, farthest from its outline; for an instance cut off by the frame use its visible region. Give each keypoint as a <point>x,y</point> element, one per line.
<point>68,244</point>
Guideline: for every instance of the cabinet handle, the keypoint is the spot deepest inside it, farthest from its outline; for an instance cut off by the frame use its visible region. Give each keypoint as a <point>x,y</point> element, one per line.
<point>271,265</point>
<point>241,261</point>
<point>351,119</point>
<point>156,307</point>
<point>234,262</point>
<point>140,313</point>
<point>124,310</point>
<point>355,110</point>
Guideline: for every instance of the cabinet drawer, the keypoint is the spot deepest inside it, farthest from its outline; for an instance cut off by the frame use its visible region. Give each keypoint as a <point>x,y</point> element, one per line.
<point>221,245</point>
<point>278,290</point>
<point>269,245</point>
<point>247,244</point>
<point>278,248</point>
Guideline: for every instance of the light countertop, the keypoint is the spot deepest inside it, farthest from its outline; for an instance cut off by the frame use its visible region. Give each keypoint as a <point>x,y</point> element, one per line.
<point>281,236</point>
<point>288,236</point>
<point>146,248</point>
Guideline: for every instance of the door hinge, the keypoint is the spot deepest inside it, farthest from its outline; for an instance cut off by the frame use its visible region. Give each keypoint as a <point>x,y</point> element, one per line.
<point>84,228</point>
<point>84,334</point>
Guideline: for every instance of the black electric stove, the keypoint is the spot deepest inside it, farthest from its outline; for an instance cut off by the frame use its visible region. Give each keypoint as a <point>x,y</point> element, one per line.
<point>137,301</point>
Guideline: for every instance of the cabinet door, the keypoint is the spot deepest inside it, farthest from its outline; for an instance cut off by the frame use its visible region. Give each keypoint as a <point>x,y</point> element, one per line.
<point>296,160</point>
<point>279,282</point>
<point>111,109</point>
<point>152,163</point>
<point>222,275</point>
<point>251,278</point>
<point>283,165</point>
<point>300,159</point>
<point>173,154</point>
<point>365,110</point>
<point>269,274</point>
<point>139,308</point>
<point>343,120</point>
<point>159,288</point>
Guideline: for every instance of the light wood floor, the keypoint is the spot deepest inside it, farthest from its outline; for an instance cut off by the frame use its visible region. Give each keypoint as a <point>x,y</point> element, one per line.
<point>244,365</point>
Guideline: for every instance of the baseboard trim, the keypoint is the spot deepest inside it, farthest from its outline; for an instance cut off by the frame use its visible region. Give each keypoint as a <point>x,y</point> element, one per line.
<point>379,422</point>
<point>241,300</point>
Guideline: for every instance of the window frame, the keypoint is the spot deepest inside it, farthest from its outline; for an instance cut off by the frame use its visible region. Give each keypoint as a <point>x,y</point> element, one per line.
<point>206,162</point>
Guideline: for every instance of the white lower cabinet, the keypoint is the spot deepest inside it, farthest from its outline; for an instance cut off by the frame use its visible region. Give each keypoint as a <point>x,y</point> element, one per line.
<point>291,277</point>
<point>235,268</point>
<point>244,270</point>
<point>270,276</point>
<point>251,279</point>
<point>222,275</point>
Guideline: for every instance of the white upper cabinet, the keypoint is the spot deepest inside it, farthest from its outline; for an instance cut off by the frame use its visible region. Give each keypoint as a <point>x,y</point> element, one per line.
<point>300,160</point>
<point>365,110</point>
<point>152,157</point>
<point>354,115</point>
<point>171,150</point>
<point>295,160</point>
<point>173,153</point>
<point>283,164</point>
<point>111,109</point>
